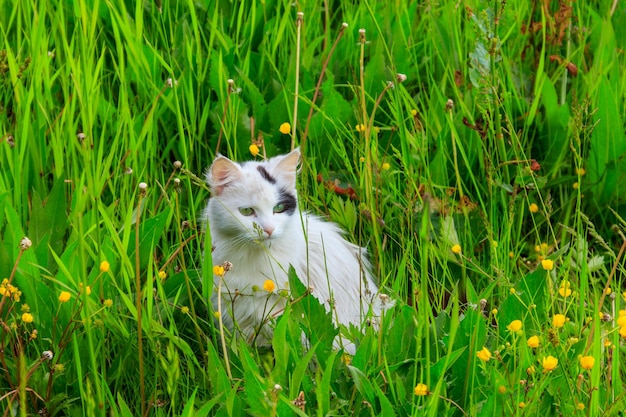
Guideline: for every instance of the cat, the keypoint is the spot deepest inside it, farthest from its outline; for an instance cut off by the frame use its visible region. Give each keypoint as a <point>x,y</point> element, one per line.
<point>258,230</point>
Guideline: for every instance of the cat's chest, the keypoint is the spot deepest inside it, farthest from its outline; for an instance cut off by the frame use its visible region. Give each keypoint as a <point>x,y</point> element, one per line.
<point>251,268</point>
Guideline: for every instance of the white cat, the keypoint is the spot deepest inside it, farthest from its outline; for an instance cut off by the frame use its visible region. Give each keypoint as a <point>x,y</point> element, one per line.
<point>256,226</point>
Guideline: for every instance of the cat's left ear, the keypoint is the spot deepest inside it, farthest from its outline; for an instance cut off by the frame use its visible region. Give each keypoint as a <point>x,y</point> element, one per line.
<point>288,166</point>
<point>222,172</point>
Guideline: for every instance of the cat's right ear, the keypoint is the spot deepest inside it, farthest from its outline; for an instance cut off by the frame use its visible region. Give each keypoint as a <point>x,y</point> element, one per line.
<point>222,172</point>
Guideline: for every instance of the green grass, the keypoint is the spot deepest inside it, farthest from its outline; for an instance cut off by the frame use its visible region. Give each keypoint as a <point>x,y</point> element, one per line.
<point>506,105</point>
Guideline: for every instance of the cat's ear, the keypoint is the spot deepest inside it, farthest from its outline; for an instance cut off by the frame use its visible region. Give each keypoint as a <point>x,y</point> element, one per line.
<point>223,171</point>
<point>287,166</point>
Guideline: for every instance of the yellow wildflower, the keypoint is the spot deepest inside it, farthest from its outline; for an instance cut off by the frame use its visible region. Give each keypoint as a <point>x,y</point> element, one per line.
<point>269,285</point>
<point>549,363</point>
<point>421,389</point>
<point>534,208</point>
<point>285,128</point>
<point>607,290</point>
<point>622,332</point>
<point>27,318</point>
<point>104,266</point>
<point>521,404</point>
<point>575,186</point>
<point>385,166</point>
<point>456,249</point>
<point>547,264</point>
<point>580,406</point>
<point>533,342</point>
<point>621,321</point>
<point>108,302</point>
<point>254,149</point>
<point>558,320</point>
<point>360,127</point>
<point>581,171</point>
<point>162,275</point>
<point>587,362</point>
<point>484,354</point>
<point>502,389</point>
<point>218,270</point>
<point>9,291</point>
<point>494,311</point>
<point>184,309</point>
<point>515,326</point>
<point>65,296</point>
<point>413,112</point>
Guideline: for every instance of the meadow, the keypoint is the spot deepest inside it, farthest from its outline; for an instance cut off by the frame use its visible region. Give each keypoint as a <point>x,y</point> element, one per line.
<point>477,148</point>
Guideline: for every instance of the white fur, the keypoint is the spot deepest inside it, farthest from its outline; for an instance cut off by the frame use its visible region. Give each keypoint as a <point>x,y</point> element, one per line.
<point>334,268</point>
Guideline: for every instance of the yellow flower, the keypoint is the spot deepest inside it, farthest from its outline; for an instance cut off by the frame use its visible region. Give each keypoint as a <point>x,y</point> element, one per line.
<point>385,166</point>
<point>547,264</point>
<point>254,150</point>
<point>456,249</point>
<point>9,291</point>
<point>531,370</point>
<point>421,389</point>
<point>621,321</point>
<point>413,112</point>
<point>515,326</point>
<point>27,318</point>
<point>216,314</point>
<point>184,309</point>
<point>581,171</point>
<point>575,186</point>
<point>534,208</point>
<point>360,127</point>
<point>65,296</point>
<point>269,285</point>
<point>104,266</point>
<point>108,302</point>
<point>494,311</point>
<point>549,363</point>
<point>565,291</point>
<point>580,406</point>
<point>218,270</point>
<point>285,128</point>
<point>607,342</point>
<point>162,275</point>
<point>484,354</point>
<point>558,320</point>
<point>502,389</point>
<point>607,290</point>
<point>622,332</point>
<point>362,159</point>
<point>521,404</point>
<point>533,342</point>
<point>586,362</point>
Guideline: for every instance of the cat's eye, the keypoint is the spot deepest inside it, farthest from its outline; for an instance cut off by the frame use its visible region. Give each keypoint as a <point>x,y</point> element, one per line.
<point>279,208</point>
<point>246,211</point>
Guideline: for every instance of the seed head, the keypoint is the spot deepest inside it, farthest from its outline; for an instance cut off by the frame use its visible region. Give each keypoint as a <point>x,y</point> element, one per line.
<point>25,243</point>
<point>47,355</point>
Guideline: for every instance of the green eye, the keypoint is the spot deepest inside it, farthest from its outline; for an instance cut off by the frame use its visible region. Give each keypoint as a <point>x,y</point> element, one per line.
<point>246,211</point>
<point>279,208</point>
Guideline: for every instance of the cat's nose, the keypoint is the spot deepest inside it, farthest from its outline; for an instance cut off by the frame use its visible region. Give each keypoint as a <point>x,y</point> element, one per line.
<point>269,230</point>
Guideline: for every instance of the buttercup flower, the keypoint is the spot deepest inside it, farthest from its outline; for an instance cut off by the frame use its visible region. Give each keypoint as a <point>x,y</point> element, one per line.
<point>162,275</point>
<point>104,266</point>
<point>558,320</point>
<point>108,302</point>
<point>184,309</point>
<point>549,363</point>
<point>65,296</point>
<point>285,128</point>
<point>254,149</point>
<point>9,291</point>
<point>587,362</point>
<point>534,208</point>
<point>456,249</point>
<point>547,264</point>
<point>269,285</point>
<point>218,270</point>
<point>360,127</point>
<point>580,406</point>
<point>533,342</point>
<point>385,166</point>
<point>484,354</point>
<point>27,318</point>
<point>515,326</point>
<point>421,389</point>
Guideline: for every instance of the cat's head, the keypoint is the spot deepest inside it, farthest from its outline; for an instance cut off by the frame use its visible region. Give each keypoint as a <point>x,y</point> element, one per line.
<point>253,201</point>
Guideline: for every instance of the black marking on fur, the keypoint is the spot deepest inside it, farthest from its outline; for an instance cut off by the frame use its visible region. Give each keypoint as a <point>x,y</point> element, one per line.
<point>266,174</point>
<point>289,200</point>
